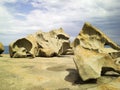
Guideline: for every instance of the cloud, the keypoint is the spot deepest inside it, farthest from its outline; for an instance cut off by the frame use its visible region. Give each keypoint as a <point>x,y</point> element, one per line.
<point>5,18</point>
<point>4,1</point>
<point>79,10</point>
<point>22,17</point>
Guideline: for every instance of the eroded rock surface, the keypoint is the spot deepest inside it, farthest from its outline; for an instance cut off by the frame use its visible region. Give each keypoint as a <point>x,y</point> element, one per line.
<point>24,47</point>
<point>46,44</point>
<point>1,48</point>
<point>92,38</point>
<point>55,42</point>
<point>91,55</point>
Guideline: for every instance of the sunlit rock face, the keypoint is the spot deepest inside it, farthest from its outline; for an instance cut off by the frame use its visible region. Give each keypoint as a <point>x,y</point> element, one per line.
<point>91,53</point>
<point>42,44</point>
<point>92,38</point>
<point>55,42</point>
<point>1,48</point>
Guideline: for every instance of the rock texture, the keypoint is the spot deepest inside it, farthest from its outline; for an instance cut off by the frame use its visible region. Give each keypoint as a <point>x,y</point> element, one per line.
<point>47,74</point>
<point>55,42</point>
<point>24,47</point>
<point>46,44</point>
<point>1,48</point>
<point>91,54</point>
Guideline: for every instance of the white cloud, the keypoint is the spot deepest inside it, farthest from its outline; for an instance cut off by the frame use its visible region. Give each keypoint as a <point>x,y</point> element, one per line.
<point>72,7</point>
<point>5,18</point>
<point>50,14</point>
<point>10,1</point>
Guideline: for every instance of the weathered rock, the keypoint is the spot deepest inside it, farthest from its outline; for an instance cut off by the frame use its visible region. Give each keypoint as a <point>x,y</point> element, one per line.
<point>53,43</point>
<point>92,38</point>
<point>91,55</point>
<point>47,52</point>
<point>66,49</point>
<point>90,63</point>
<point>47,44</point>
<point>25,47</point>
<point>1,48</point>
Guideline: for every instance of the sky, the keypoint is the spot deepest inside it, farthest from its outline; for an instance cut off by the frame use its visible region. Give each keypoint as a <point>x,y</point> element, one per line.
<point>18,18</point>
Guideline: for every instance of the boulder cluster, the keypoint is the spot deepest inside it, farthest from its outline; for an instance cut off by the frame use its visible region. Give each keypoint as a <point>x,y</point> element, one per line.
<point>41,44</point>
<point>93,51</point>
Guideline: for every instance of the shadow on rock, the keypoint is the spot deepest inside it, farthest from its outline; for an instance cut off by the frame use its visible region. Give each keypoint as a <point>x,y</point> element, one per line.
<point>1,55</point>
<point>74,78</point>
<point>108,71</point>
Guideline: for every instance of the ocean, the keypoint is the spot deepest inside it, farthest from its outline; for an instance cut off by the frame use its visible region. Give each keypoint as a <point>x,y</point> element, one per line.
<point>6,50</point>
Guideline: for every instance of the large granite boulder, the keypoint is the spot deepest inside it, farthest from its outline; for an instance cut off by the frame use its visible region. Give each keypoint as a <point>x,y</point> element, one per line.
<point>92,38</point>
<point>90,63</point>
<point>1,48</point>
<point>53,43</point>
<point>24,47</point>
<point>41,44</point>
<point>91,53</point>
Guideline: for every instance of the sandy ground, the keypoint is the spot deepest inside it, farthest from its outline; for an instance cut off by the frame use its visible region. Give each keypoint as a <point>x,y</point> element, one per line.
<point>56,73</point>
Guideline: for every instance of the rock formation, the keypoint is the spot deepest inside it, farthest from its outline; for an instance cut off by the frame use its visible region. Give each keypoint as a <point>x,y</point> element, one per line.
<point>1,48</point>
<point>24,47</point>
<point>46,44</point>
<point>53,43</point>
<point>91,55</point>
